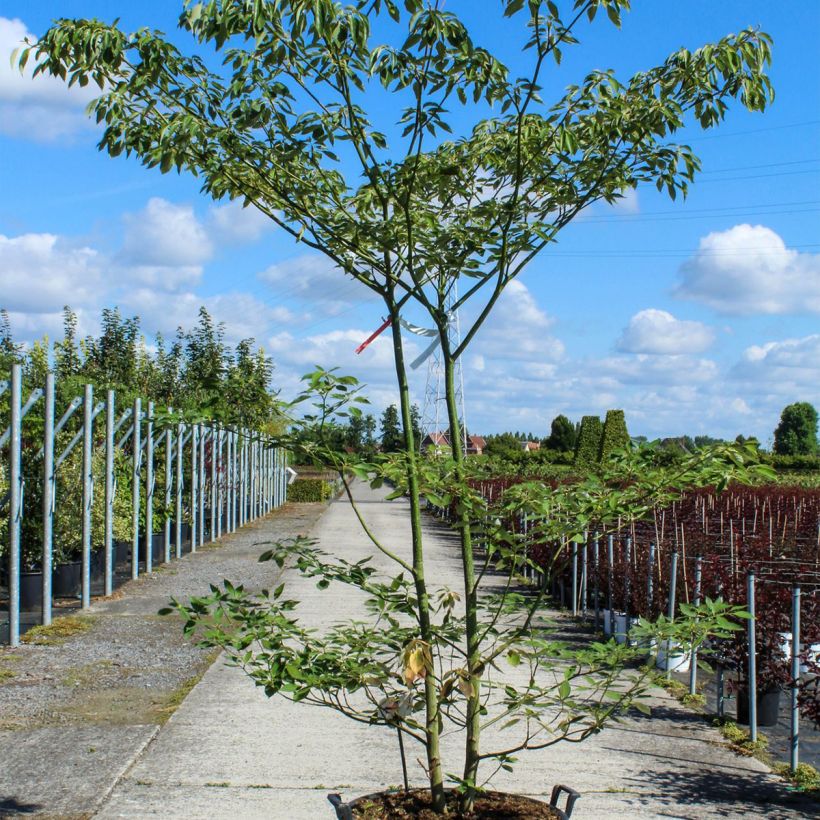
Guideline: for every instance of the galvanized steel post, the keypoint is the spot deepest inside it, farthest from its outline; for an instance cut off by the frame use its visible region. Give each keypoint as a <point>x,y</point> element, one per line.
<point>213,483</point>
<point>794,723</point>
<point>220,494</point>
<point>693,665</point>
<point>135,491</point>
<point>149,488</point>
<point>201,488</point>
<point>48,496</point>
<point>610,555</point>
<point>108,536</point>
<point>574,578</point>
<point>673,586</point>
<point>16,504</point>
<point>88,478</point>
<point>178,492</point>
<point>194,479</point>
<point>596,564</point>
<point>752,649</point>
<point>169,457</point>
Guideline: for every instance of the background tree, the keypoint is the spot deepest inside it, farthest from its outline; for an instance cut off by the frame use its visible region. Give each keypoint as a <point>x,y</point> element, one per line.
<point>392,439</point>
<point>796,434</point>
<point>282,125</point>
<point>562,435</point>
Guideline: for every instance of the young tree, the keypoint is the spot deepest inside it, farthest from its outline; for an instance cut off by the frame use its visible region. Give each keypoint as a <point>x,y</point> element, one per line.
<point>562,435</point>
<point>391,434</point>
<point>796,434</point>
<point>399,206</point>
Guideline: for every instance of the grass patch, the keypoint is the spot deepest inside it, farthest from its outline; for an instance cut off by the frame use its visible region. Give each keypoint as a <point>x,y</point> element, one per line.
<point>59,631</point>
<point>680,692</point>
<point>805,779</point>
<point>740,741</point>
<point>5,675</point>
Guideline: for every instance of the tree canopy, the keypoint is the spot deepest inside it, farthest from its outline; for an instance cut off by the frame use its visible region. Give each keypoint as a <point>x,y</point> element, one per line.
<point>796,434</point>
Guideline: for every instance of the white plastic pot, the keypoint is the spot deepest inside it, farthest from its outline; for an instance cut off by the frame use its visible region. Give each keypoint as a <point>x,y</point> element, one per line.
<point>678,659</point>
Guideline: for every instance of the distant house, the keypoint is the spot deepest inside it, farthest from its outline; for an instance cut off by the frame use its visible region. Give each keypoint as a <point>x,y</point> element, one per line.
<point>441,441</point>
<point>475,445</point>
<point>530,446</point>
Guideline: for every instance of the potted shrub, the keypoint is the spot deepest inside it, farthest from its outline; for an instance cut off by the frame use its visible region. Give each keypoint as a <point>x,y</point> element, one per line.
<point>415,214</point>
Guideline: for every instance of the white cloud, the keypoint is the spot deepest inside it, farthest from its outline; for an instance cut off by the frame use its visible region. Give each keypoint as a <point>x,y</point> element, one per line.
<point>42,272</point>
<point>782,368</point>
<point>658,332</point>
<point>749,270</point>
<point>165,235</point>
<point>315,280</point>
<point>243,314</point>
<point>39,108</point>
<point>232,223</point>
<point>628,203</point>
<point>519,330</point>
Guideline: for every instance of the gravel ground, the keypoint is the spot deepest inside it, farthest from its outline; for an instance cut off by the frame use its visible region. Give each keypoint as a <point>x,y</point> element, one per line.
<point>76,709</point>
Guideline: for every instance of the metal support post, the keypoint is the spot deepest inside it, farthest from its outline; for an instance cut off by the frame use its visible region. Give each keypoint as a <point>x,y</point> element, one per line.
<point>178,491</point>
<point>201,495</point>
<point>108,537</point>
<point>584,574</point>
<point>752,678</point>
<point>169,461</point>
<point>794,735</point>
<point>149,489</point>
<point>610,555</point>
<point>88,489</point>
<point>48,496</point>
<point>135,491</point>
<point>194,479</point>
<point>220,493</point>
<point>673,586</point>
<point>693,666</point>
<point>213,483</point>
<point>16,503</point>
<point>574,579</point>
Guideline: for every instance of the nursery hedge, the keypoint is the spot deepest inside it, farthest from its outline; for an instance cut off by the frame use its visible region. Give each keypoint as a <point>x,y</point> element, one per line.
<point>309,489</point>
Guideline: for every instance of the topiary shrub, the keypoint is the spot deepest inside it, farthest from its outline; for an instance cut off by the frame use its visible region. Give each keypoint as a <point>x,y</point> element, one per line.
<point>305,490</point>
<point>588,445</point>
<point>615,435</point>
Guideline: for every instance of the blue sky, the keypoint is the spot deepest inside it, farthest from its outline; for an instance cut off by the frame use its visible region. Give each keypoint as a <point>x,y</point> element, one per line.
<point>695,317</point>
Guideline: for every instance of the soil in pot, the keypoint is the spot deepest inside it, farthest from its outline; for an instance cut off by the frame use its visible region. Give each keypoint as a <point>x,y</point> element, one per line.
<point>768,707</point>
<point>415,805</point>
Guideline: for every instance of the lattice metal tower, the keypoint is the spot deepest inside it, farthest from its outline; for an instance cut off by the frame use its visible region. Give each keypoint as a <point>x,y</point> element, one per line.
<point>434,413</point>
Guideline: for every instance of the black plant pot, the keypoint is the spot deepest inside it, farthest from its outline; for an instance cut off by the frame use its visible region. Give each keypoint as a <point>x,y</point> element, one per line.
<point>31,591</point>
<point>122,553</point>
<point>768,707</point>
<point>157,548</point>
<point>66,580</point>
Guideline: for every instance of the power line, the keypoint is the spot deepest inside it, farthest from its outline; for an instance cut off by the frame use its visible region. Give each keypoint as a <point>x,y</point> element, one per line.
<point>764,165</point>
<point>803,124</point>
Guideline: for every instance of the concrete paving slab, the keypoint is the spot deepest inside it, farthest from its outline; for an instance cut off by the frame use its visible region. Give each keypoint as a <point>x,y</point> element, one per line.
<point>65,772</point>
<point>229,752</point>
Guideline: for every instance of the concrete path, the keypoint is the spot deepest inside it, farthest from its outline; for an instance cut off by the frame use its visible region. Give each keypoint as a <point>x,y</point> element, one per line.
<point>229,752</point>
<point>78,706</point>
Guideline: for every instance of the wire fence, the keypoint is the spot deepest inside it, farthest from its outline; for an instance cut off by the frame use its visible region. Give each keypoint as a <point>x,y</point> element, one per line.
<point>168,487</point>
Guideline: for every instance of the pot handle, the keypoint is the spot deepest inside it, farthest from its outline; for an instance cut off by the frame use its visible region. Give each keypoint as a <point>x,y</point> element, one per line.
<point>343,811</point>
<point>572,796</point>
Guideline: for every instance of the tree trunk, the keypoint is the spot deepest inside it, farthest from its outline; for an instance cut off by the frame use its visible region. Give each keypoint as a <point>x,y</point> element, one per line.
<point>434,770</point>
<point>471,749</point>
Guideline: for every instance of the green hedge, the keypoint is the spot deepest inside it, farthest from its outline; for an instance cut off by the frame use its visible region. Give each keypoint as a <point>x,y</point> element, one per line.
<point>309,489</point>
<point>588,446</point>
<point>795,463</point>
<point>615,435</point>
